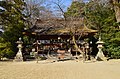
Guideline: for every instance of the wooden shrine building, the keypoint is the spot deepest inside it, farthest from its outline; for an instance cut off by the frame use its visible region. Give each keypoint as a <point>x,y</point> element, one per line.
<point>56,33</point>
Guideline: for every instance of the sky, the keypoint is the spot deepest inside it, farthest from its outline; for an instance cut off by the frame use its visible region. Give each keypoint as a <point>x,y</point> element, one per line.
<point>65,3</point>
<point>68,2</point>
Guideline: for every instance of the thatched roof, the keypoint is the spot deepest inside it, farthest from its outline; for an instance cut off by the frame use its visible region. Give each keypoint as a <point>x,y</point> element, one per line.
<point>59,27</point>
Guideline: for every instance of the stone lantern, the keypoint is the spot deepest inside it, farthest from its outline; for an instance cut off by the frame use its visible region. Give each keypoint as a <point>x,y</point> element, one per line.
<point>19,56</point>
<point>100,56</point>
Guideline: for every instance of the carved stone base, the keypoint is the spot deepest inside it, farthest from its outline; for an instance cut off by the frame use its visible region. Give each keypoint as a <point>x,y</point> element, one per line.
<point>18,57</point>
<point>100,56</point>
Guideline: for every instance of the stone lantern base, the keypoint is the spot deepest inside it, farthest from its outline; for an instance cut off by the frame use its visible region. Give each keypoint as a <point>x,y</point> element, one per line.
<point>100,56</point>
<point>18,57</point>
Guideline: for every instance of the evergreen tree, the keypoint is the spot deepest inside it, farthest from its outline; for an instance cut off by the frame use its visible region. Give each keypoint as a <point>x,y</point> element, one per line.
<point>12,20</point>
<point>101,17</point>
<point>75,10</point>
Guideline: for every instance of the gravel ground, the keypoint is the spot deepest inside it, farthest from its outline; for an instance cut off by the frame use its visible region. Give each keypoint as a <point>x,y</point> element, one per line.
<point>60,70</point>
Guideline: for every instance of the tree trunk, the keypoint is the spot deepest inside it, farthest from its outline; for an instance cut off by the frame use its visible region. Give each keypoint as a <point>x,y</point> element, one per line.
<point>76,46</point>
<point>116,4</point>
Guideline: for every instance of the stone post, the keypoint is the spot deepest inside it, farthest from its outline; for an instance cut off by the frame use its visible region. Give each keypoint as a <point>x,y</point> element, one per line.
<point>86,51</point>
<point>37,48</point>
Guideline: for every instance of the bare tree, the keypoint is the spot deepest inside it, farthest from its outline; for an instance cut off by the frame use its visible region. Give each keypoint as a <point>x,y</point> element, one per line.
<point>59,8</point>
<point>36,9</point>
<point>72,23</point>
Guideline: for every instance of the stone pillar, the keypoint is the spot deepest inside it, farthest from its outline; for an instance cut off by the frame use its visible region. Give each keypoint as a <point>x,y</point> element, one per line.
<point>37,48</point>
<point>100,56</point>
<point>19,56</point>
<point>86,51</point>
